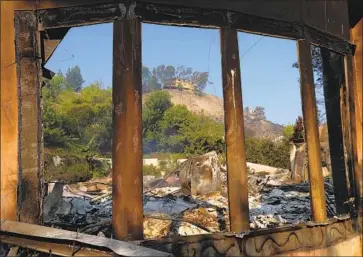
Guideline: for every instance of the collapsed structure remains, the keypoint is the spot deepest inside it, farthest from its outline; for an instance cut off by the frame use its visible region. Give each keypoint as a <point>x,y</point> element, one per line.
<point>31,31</point>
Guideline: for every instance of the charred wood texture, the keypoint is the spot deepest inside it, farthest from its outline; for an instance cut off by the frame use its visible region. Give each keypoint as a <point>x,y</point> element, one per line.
<point>127,137</point>
<point>262,242</point>
<point>349,125</point>
<point>308,99</point>
<point>193,17</point>
<point>333,66</point>
<point>235,139</point>
<point>271,242</point>
<point>356,93</point>
<point>30,118</point>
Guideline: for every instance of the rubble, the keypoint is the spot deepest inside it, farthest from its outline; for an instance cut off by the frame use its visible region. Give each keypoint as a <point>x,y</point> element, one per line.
<point>201,174</point>
<point>273,202</point>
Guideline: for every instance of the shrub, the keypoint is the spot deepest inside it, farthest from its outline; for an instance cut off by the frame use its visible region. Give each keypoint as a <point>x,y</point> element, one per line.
<point>288,132</point>
<point>71,169</point>
<point>151,170</point>
<point>99,173</point>
<point>266,152</point>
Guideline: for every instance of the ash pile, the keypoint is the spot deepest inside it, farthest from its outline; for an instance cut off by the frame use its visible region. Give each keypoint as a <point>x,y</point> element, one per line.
<point>191,200</point>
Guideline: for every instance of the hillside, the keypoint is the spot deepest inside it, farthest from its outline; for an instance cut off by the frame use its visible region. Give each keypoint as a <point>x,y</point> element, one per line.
<point>213,106</point>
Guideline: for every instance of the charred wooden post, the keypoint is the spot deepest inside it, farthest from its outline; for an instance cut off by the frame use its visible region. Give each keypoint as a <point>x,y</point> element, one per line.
<point>351,127</point>
<point>30,116</point>
<point>347,108</point>
<point>234,131</point>
<point>356,92</point>
<point>308,99</point>
<point>333,75</point>
<point>127,212</point>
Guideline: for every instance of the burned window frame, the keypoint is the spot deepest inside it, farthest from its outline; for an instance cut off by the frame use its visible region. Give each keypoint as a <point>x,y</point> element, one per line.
<point>33,28</point>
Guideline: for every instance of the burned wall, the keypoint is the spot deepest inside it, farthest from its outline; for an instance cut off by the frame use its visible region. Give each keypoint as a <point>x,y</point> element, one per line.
<point>337,238</point>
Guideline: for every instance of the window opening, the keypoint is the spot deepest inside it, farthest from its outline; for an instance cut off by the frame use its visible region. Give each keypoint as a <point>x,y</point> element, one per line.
<point>183,132</point>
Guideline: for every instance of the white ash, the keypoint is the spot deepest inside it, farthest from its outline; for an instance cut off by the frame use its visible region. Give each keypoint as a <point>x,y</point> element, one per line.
<point>272,206</point>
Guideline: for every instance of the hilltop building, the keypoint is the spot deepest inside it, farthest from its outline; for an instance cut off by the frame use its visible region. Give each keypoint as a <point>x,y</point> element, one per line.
<point>176,83</point>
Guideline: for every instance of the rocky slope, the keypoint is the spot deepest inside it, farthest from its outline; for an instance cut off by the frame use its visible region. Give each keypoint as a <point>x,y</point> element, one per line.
<point>213,106</point>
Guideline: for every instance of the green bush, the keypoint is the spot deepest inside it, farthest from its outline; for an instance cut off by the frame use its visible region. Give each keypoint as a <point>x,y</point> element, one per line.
<point>151,170</point>
<point>82,118</point>
<point>72,169</point>
<point>266,152</point>
<point>167,163</point>
<point>99,173</point>
<point>170,163</point>
<point>288,132</point>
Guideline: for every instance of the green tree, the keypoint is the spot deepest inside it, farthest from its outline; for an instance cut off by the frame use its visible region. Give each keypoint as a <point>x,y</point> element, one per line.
<point>149,81</point>
<point>200,80</point>
<point>74,78</point>
<point>160,74</point>
<point>203,134</point>
<point>153,110</point>
<point>169,72</point>
<point>173,128</point>
<point>259,113</point>
<point>266,152</point>
<point>52,88</point>
<point>146,78</point>
<point>154,84</point>
<point>164,73</point>
<point>98,131</point>
<point>184,73</point>
<point>288,132</point>
<point>82,120</point>
<point>54,135</point>
<point>174,119</point>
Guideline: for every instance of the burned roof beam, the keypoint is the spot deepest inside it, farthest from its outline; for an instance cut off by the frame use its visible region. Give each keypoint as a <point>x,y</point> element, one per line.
<point>50,39</point>
<point>48,74</point>
<point>191,17</point>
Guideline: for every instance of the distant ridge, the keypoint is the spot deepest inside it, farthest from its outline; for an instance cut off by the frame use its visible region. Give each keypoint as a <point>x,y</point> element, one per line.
<point>213,106</point>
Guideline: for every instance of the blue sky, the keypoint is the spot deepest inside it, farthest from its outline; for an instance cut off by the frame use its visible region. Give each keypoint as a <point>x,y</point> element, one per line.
<point>268,78</point>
